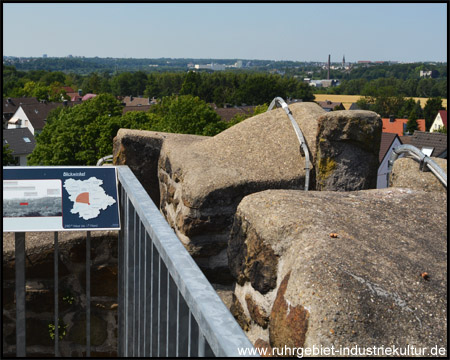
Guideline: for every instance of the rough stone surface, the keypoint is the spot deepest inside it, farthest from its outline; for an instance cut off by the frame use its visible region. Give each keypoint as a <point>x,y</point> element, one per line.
<point>262,344</point>
<point>202,183</point>
<point>103,281</point>
<point>251,260</point>
<point>140,150</point>
<point>239,314</point>
<point>77,333</point>
<point>365,285</point>
<point>347,150</point>
<point>257,313</point>
<point>288,324</point>
<point>406,173</point>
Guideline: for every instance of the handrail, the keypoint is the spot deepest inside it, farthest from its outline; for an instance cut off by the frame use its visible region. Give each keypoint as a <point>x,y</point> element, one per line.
<point>418,156</point>
<point>101,161</point>
<point>299,134</point>
<point>217,326</point>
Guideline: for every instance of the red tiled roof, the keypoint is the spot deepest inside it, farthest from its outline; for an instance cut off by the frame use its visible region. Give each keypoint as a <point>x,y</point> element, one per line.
<point>443,114</point>
<point>67,89</point>
<point>396,126</point>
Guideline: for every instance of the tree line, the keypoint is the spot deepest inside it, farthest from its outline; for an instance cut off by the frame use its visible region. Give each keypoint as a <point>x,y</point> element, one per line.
<point>220,88</point>
<point>82,134</point>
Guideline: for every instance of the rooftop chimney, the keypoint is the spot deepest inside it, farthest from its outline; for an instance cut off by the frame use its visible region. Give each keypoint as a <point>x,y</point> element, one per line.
<point>391,118</point>
<point>80,92</point>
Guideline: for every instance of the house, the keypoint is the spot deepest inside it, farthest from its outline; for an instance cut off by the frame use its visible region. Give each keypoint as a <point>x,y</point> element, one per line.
<point>88,96</point>
<point>34,116</point>
<point>136,101</point>
<point>328,105</point>
<point>10,106</point>
<point>440,121</point>
<point>389,141</point>
<point>227,113</point>
<point>431,144</point>
<point>398,126</point>
<point>75,95</point>
<point>135,108</point>
<point>21,142</point>
<point>354,106</point>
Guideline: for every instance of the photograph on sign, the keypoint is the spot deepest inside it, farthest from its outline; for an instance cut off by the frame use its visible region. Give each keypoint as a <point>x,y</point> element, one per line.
<point>30,198</point>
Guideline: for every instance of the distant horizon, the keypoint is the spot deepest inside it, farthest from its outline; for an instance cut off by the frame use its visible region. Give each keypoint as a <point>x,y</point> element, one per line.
<point>304,32</point>
<point>228,59</point>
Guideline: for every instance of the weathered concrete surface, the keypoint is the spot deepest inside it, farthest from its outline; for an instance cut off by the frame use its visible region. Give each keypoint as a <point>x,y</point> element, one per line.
<point>365,287</point>
<point>348,147</point>
<point>406,173</point>
<point>140,151</point>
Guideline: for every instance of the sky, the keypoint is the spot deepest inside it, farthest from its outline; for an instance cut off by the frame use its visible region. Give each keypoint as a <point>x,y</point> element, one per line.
<point>404,32</point>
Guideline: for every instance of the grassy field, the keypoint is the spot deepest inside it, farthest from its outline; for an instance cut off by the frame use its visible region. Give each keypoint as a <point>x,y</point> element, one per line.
<point>347,100</point>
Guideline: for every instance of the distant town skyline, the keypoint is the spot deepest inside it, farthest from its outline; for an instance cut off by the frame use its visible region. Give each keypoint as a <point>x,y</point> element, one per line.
<point>403,32</point>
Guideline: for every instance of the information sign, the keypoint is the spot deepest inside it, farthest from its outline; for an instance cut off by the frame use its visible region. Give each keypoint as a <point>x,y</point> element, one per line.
<point>57,198</point>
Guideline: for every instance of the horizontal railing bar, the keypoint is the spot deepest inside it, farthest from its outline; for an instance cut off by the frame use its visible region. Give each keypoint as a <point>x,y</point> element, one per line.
<point>223,335</point>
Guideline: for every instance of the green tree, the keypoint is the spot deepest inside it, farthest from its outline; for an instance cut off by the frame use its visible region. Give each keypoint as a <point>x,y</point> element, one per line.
<point>70,136</point>
<point>191,84</point>
<point>186,114</point>
<point>412,125</point>
<point>7,156</point>
<point>442,129</point>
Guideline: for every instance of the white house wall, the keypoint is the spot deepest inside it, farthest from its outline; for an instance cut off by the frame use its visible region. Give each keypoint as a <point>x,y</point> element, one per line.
<point>437,123</point>
<point>25,122</point>
<point>383,168</point>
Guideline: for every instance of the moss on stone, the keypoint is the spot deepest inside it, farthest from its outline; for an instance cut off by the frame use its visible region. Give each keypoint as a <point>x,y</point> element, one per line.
<point>325,168</point>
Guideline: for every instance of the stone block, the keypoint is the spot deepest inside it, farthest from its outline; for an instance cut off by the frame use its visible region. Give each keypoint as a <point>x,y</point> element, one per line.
<point>104,280</point>
<point>347,150</point>
<point>406,173</point>
<point>352,264</point>
<point>140,150</point>
<point>202,182</point>
<point>77,332</point>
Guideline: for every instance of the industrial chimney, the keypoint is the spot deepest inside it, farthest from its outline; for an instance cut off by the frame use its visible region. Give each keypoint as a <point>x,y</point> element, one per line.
<point>328,76</point>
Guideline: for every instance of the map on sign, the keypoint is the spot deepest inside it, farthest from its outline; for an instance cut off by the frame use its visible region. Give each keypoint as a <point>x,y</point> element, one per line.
<point>88,197</point>
<point>58,198</point>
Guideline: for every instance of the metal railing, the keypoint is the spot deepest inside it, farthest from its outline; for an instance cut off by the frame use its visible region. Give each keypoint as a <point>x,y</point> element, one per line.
<point>167,307</point>
<point>425,162</point>
<point>303,147</point>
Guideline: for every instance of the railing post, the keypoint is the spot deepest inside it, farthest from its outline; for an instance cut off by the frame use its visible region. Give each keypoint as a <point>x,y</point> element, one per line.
<point>20,294</point>
<point>55,280</point>
<point>88,294</point>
